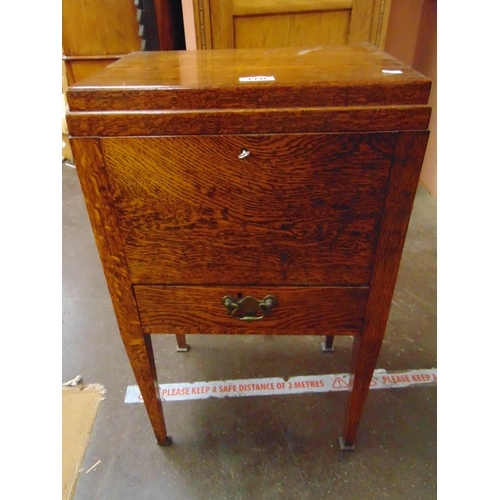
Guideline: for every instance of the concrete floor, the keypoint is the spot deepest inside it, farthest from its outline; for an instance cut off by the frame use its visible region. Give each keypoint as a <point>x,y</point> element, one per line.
<point>269,447</point>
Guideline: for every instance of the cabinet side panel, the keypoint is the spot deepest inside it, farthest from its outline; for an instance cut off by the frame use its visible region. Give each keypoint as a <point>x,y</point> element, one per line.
<point>403,180</point>
<point>92,174</point>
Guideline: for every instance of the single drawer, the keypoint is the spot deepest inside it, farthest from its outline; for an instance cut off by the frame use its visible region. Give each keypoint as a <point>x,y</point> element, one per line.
<point>299,209</point>
<point>251,310</point>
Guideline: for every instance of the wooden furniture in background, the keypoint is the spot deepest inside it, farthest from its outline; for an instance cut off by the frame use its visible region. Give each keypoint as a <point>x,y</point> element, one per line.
<point>66,148</point>
<point>226,24</point>
<point>97,33</point>
<point>225,202</point>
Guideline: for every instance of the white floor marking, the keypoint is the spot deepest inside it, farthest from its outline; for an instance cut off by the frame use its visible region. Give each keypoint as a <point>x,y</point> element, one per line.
<point>273,386</point>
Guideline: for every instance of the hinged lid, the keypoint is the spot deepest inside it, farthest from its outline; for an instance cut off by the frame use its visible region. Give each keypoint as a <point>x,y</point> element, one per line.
<point>359,75</point>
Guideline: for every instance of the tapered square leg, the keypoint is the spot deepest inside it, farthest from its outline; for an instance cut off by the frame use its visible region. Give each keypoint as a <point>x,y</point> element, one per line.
<point>409,152</point>
<point>182,345</point>
<point>345,447</point>
<point>140,353</point>
<point>92,174</point>
<point>327,345</point>
<point>364,358</point>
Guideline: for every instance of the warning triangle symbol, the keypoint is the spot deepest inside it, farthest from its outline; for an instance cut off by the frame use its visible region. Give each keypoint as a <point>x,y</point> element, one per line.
<point>373,383</point>
<point>338,383</point>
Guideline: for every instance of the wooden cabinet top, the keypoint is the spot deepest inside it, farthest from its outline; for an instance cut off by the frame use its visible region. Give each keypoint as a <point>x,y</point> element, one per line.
<point>358,75</point>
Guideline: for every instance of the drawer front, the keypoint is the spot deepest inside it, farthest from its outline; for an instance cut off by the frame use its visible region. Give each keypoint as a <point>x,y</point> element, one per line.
<point>299,209</point>
<point>293,311</point>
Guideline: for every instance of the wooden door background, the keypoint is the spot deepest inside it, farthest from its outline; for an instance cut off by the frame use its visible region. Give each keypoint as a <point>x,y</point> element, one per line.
<point>225,24</point>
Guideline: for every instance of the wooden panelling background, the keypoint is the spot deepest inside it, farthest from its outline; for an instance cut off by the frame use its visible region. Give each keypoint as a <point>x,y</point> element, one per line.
<point>96,33</point>
<point>223,24</point>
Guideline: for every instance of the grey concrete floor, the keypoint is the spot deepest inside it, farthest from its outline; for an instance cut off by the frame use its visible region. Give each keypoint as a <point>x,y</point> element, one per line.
<point>268,447</point>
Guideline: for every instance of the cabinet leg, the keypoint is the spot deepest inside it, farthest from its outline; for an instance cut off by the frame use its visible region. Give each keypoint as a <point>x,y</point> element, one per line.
<point>140,353</point>
<point>364,358</point>
<point>182,346</point>
<point>327,345</point>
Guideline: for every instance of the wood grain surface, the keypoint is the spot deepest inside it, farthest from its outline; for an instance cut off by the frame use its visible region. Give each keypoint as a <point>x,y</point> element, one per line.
<point>312,77</point>
<point>408,157</point>
<point>314,21</point>
<point>300,310</point>
<point>90,167</point>
<point>292,29</point>
<point>80,68</point>
<point>259,121</point>
<point>94,27</point>
<point>298,210</point>
<point>315,215</point>
<point>263,7</point>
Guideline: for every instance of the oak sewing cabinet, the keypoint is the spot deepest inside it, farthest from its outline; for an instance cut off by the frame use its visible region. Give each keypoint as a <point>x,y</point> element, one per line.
<point>263,191</point>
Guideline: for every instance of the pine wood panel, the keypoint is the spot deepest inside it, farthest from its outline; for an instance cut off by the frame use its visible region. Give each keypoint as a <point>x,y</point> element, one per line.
<point>96,27</point>
<point>306,29</point>
<point>226,24</point>
<point>96,33</point>
<point>79,69</point>
<point>262,7</point>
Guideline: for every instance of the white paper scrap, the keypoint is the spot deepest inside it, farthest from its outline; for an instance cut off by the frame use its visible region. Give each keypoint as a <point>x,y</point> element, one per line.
<point>257,78</point>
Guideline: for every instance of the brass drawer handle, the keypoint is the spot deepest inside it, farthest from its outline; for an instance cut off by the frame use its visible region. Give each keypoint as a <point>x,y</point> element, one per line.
<point>248,308</point>
<point>244,153</point>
